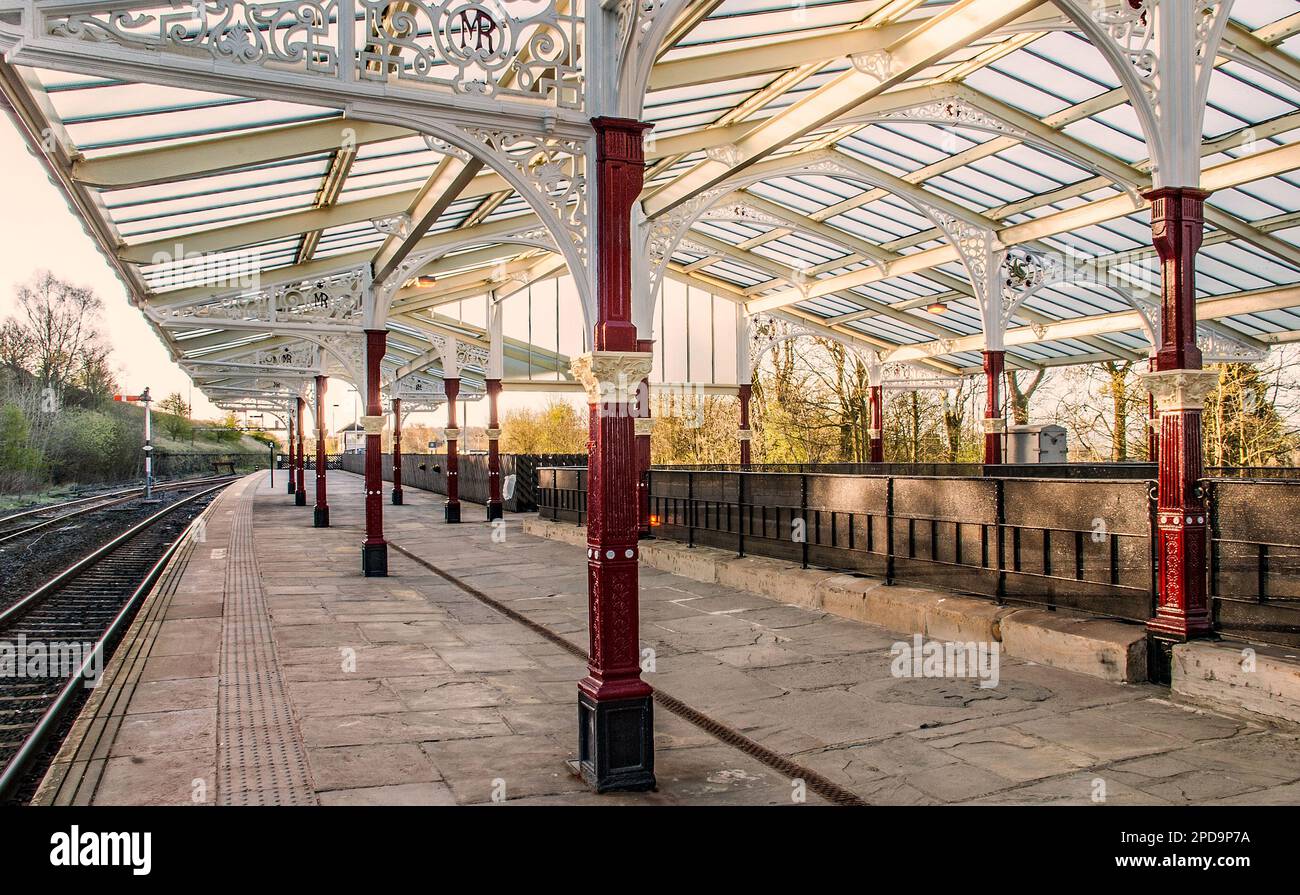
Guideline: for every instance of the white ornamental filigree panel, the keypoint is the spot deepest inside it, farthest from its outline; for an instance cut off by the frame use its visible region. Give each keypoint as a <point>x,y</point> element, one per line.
<point>470,355</point>
<point>418,387</point>
<point>552,171</point>
<point>766,332</point>
<point>345,357</point>
<point>914,378</point>
<point>521,48</point>
<point>412,264</point>
<point>1218,347</point>
<point>332,300</point>
<point>1163,52</point>
<point>302,355</point>
<point>295,34</point>
<point>954,111</point>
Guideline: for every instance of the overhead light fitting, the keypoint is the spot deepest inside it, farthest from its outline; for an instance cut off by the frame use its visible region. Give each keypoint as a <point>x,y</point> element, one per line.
<point>937,307</point>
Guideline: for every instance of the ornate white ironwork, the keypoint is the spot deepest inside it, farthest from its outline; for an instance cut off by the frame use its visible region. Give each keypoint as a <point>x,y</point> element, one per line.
<point>742,213</point>
<point>345,357</point>
<point>914,378</point>
<point>982,254</point>
<point>332,300</point>
<point>1217,347</point>
<point>553,168</point>
<point>470,355</point>
<point>641,28</point>
<point>303,355</point>
<point>954,111</point>
<point>416,387</point>
<point>728,154</point>
<point>1163,51</point>
<point>442,147</point>
<point>393,225</point>
<point>516,57</point>
<point>878,64</point>
<point>477,47</point>
<point>293,33</point>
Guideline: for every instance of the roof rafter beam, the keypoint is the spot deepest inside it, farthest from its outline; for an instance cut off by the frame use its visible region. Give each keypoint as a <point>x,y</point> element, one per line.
<point>952,29</point>
<point>1232,173</point>
<point>449,179</point>
<point>149,167</point>
<point>1249,302</point>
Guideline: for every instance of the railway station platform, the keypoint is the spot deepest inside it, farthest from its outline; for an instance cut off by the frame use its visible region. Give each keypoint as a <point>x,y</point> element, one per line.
<point>265,669</point>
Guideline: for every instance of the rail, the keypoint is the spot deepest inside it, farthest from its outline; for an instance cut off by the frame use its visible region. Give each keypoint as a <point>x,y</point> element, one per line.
<point>84,505</point>
<point>34,739</point>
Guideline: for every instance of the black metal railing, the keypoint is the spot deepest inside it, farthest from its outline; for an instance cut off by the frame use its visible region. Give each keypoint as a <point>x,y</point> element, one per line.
<point>1085,544</point>
<point>427,472</point>
<point>332,461</point>
<point>1254,558</point>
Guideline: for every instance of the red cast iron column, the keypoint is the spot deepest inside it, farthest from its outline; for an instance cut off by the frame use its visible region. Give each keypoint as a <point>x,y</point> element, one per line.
<point>994,424</point>
<point>397,451</point>
<point>1153,422</point>
<point>876,431</point>
<point>1179,386</point>
<point>289,438</point>
<point>643,427</point>
<point>374,550</point>
<point>745,433</point>
<point>300,493</point>
<point>321,515</point>
<point>615,710</point>
<point>494,451</point>
<point>451,512</point>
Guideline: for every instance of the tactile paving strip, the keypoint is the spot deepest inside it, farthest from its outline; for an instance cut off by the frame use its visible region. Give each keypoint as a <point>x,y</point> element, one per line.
<point>260,756</point>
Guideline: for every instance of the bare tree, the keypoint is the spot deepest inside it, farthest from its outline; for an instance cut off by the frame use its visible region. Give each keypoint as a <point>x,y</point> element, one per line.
<point>1020,396</point>
<point>15,346</point>
<point>60,322</point>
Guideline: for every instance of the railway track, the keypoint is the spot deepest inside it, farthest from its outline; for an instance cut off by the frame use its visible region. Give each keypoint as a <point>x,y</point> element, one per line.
<point>27,522</point>
<point>77,616</point>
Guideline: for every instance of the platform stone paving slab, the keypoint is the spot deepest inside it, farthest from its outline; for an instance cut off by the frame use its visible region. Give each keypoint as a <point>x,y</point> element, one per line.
<point>408,690</point>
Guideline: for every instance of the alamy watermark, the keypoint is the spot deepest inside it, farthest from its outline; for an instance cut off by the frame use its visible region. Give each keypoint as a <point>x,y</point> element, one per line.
<point>944,659</point>
<point>41,660</point>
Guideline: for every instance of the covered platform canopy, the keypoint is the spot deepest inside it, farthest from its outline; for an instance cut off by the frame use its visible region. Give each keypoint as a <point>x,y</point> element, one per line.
<point>1025,131</point>
<point>307,188</point>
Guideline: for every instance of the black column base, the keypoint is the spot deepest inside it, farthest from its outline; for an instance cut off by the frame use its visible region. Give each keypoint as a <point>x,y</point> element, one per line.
<point>494,510</point>
<point>290,489</point>
<point>451,511</point>
<point>321,517</point>
<point>616,743</point>
<point>1160,659</point>
<point>300,498</point>
<point>374,560</point>
<point>397,498</point>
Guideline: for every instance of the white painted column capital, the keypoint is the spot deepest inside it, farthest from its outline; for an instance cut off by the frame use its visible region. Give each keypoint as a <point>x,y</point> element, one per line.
<point>612,376</point>
<point>1176,390</point>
